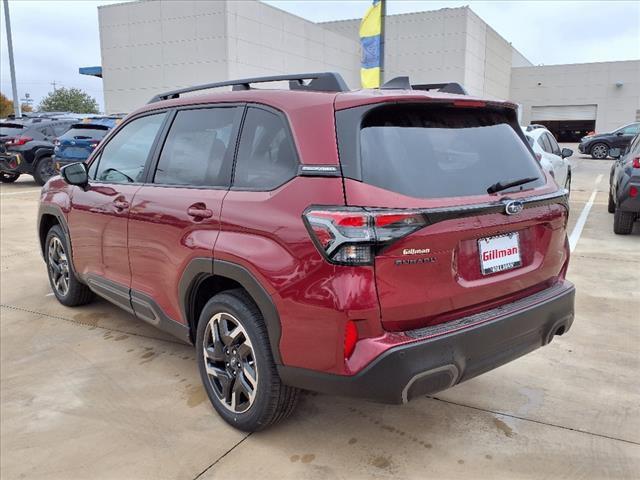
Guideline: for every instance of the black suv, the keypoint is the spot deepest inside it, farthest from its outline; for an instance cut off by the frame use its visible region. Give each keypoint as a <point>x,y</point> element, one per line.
<point>600,144</point>
<point>26,146</point>
<point>624,188</point>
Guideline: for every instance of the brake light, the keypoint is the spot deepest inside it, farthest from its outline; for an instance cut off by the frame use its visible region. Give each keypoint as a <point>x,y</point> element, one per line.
<point>633,191</point>
<point>20,140</point>
<point>636,162</point>
<point>350,338</point>
<point>469,103</point>
<point>352,236</point>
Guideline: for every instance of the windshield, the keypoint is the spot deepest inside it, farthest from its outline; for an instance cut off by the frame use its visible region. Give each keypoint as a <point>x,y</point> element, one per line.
<point>436,151</point>
<point>85,133</point>
<point>10,130</point>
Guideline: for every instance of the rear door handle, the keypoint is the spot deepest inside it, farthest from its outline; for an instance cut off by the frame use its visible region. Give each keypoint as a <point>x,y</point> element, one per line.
<point>199,211</point>
<point>120,205</point>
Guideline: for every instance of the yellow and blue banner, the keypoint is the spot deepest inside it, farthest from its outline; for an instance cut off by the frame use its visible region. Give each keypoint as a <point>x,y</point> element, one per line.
<point>371,44</point>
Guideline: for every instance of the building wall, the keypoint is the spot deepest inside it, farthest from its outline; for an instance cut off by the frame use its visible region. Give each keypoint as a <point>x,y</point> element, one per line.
<point>265,40</point>
<point>153,46</point>
<point>581,84</point>
<point>450,44</point>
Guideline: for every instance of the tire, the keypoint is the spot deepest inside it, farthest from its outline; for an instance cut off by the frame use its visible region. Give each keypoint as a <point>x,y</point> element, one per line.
<point>600,151</point>
<point>43,170</point>
<point>236,363</point>
<point>611,206</point>
<point>65,285</point>
<point>623,222</point>
<point>6,177</point>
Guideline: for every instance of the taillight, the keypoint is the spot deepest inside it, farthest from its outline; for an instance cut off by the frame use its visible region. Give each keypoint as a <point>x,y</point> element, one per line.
<point>633,191</point>
<point>353,235</point>
<point>94,144</point>
<point>21,140</point>
<point>636,162</point>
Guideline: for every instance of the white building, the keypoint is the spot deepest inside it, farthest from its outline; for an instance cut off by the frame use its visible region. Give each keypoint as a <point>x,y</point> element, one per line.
<point>152,46</point>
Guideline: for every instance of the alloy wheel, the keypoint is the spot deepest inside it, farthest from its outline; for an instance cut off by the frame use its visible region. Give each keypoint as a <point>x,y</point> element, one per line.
<point>230,362</point>
<point>600,151</point>
<point>46,168</point>
<point>58,266</point>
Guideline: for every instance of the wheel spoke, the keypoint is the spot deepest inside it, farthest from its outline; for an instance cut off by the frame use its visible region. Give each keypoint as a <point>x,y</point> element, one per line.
<point>249,375</point>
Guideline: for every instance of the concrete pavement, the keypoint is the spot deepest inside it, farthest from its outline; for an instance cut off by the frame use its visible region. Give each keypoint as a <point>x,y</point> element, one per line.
<point>92,393</point>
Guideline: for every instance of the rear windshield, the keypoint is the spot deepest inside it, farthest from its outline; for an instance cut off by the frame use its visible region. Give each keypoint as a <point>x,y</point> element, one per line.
<point>85,132</point>
<point>441,151</point>
<point>10,129</point>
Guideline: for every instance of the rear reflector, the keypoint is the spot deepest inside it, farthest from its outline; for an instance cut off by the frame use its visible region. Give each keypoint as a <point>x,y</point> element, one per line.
<point>636,162</point>
<point>350,338</point>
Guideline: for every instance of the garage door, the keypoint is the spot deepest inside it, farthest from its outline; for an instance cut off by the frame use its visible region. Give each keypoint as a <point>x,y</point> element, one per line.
<point>564,112</point>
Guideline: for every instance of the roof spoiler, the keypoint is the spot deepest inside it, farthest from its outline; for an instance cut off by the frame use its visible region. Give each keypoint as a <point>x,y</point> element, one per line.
<point>403,83</point>
<point>319,82</point>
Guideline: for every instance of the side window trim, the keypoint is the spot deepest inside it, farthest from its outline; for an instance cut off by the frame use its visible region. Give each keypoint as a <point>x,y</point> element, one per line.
<point>157,150</point>
<point>120,127</point>
<point>289,132</point>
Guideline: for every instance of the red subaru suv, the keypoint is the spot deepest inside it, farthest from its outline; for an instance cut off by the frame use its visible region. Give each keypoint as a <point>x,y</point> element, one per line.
<point>383,244</point>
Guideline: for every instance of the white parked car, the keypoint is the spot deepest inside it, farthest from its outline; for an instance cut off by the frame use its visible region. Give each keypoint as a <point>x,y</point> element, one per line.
<point>552,158</point>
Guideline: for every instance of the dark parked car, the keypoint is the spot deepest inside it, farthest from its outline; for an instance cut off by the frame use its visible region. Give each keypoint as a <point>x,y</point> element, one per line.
<point>624,188</point>
<point>27,147</point>
<point>77,143</point>
<point>370,243</point>
<point>600,144</point>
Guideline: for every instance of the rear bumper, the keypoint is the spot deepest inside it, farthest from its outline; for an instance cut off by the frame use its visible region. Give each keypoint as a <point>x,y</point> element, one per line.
<point>435,363</point>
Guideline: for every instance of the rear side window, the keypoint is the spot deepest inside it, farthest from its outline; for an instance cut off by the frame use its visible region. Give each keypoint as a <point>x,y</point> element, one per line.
<point>266,155</point>
<point>199,148</point>
<point>438,151</point>
<point>60,128</point>
<point>555,148</point>
<point>123,159</point>
<point>543,141</point>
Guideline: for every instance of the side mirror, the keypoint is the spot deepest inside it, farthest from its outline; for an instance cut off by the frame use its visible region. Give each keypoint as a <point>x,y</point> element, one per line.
<point>615,153</point>
<point>566,152</point>
<point>619,134</point>
<point>75,174</point>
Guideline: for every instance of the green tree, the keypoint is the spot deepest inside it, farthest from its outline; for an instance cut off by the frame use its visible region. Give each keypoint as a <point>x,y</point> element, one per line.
<point>6,106</point>
<point>68,100</point>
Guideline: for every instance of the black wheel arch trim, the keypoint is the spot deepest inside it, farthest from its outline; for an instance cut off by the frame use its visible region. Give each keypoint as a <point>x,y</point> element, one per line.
<point>200,268</point>
<point>57,212</point>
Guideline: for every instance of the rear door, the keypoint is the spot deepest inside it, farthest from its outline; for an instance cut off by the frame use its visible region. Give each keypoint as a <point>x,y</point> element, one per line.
<point>427,169</point>
<point>560,165</point>
<point>175,216</point>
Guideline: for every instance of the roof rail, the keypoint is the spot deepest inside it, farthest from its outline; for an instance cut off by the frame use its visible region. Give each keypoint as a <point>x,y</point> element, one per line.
<point>449,87</point>
<point>320,82</point>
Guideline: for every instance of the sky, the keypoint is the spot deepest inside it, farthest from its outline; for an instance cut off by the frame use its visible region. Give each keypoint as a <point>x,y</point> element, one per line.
<point>52,39</point>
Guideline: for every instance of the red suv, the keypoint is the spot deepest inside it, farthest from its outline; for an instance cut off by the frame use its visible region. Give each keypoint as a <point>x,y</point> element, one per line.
<point>383,244</point>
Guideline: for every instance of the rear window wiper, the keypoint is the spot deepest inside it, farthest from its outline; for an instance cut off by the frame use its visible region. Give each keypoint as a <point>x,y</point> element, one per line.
<point>499,186</point>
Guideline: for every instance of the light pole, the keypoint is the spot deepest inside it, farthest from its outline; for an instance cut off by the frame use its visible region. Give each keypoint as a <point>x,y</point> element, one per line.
<point>14,86</point>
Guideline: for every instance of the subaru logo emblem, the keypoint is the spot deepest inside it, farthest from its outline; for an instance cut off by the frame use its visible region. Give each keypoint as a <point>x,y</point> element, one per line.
<point>513,207</point>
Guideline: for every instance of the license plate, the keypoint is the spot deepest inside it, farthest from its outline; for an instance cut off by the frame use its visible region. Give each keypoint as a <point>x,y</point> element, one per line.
<point>498,254</point>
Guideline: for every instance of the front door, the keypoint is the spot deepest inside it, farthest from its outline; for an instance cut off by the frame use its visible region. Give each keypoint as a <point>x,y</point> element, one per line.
<point>175,217</point>
<point>99,213</point>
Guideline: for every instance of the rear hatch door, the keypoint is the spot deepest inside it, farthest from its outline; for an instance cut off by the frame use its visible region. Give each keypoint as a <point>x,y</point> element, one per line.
<point>79,141</point>
<point>431,167</point>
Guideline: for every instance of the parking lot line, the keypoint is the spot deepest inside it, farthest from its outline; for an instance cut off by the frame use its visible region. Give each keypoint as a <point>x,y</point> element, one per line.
<point>582,219</point>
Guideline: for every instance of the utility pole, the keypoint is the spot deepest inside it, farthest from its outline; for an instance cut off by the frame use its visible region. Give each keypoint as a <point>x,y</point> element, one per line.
<point>12,67</point>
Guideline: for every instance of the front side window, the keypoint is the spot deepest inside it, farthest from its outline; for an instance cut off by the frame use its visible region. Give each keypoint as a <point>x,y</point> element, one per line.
<point>124,157</point>
<point>266,155</point>
<point>632,129</point>
<point>555,148</point>
<point>199,146</point>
